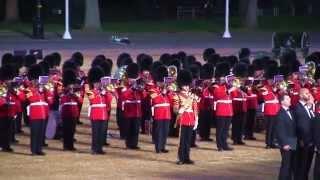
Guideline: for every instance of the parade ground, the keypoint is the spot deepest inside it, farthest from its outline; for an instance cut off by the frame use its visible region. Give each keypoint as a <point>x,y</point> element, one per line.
<point>249,162</point>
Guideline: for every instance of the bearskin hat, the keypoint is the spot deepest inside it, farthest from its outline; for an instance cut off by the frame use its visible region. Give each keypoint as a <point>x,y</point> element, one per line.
<point>69,77</point>
<point>30,60</point>
<point>240,70</point>
<point>284,70</point>
<point>244,53</point>
<point>184,78</point>
<point>195,71</point>
<point>270,71</point>
<point>78,58</point>
<point>69,64</point>
<point>213,59</point>
<point>35,71</point>
<point>45,67</point>
<point>288,57</point>
<point>155,65</point>
<point>133,71</point>
<point>160,73</point>
<point>49,59</point>
<point>251,70</point>
<point>8,72</point>
<point>145,62</point>
<point>232,60</point>
<point>165,59</point>
<point>294,66</point>
<point>207,53</point>
<point>222,69</point>
<point>257,64</point>
<point>6,59</point>
<point>207,71</point>
<point>56,58</point>
<point>105,66</point>
<point>122,58</point>
<point>95,74</point>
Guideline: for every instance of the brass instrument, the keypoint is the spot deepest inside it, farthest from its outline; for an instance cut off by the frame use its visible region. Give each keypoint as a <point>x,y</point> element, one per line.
<point>3,90</point>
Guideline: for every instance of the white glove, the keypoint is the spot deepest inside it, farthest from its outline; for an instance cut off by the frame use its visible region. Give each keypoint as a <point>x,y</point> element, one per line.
<point>195,125</point>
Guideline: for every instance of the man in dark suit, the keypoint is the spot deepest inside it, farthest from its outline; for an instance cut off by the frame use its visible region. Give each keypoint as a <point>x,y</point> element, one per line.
<point>286,134</point>
<point>305,150</point>
<point>316,141</point>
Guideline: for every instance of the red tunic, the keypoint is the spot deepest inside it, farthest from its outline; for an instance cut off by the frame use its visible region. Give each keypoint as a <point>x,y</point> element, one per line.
<point>98,108</point>
<point>38,108</point>
<point>239,101</point>
<point>69,106</point>
<point>223,103</point>
<point>186,117</point>
<point>131,103</point>
<point>160,105</point>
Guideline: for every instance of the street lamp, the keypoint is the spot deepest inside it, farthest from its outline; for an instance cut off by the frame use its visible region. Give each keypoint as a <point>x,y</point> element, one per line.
<point>67,34</point>
<point>38,30</point>
<point>226,33</point>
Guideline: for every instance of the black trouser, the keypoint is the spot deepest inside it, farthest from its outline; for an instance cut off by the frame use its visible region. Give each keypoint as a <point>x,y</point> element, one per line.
<point>106,132</point>
<point>37,131</point>
<point>238,121</point>
<point>24,113</point>
<point>44,131</point>
<point>98,135</point>
<point>173,131</point>
<point>120,123</point>
<point>223,124</point>
<point>69,129</point>
<point>287,165</point>
<point>161,132</point>
<point>304,160</point>
<point>205,121</point>
<point>193,138</point>
<point>316,170</point>
<point>13,129</point>
<point>185,143</point>
<point>270,129</point>
<point>251,118</point>
<point>132,126</point>
<point>5,132</point>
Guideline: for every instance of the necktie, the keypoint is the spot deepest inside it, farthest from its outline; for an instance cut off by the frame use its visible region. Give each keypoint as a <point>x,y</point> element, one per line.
<point>288,111</point>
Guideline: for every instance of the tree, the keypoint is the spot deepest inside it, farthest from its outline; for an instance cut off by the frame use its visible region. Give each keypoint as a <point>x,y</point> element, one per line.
<point>12,11</point>
<point>92,15</point>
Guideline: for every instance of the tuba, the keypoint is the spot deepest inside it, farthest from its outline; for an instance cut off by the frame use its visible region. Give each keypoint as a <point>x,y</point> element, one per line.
<point>3,90</point>
<point>311,69</point>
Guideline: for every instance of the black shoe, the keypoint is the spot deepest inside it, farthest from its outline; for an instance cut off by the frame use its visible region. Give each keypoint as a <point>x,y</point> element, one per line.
<point>158,151</point>
<point>189,161</point>
<point>69,149</point>
<point>14,141</point>
<point>220,149</point>
<point>274,146</point>
<point>179,162</point>
<point>206,139</point>
<point>228,149</point>
<point>164,151</point>
<point>252,138</point>
<point>194,146</point>
<point>45,145</point>
<point>41,153</point>
<point>135,148</point>
<point>101,152</point>
<point>106,144</point>
<point>239,143</point>
<point>79,122</point>
<point>268,147</point>
<point>7,149</point>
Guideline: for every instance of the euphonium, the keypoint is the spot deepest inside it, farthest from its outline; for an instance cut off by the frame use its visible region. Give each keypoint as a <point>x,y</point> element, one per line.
<point>311,69</point>
<point>236,83</point>
<point>3,90</point>
<point>172,71</point>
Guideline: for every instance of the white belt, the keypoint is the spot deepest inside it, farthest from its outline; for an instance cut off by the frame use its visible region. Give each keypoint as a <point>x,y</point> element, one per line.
<point>12,103</point>
<point>95,106</point>
<point>158,105</point>
<point>70,103</point>
<point>239,99</point>
<point>253,95</point>
<point>35,104</point>
<point>208,97</point>
<point>272,101</point>
<point>224,101</point>
<point>130,102</point>
<point>268,102</point>
<point>295,93</point>
<point>221,101</point>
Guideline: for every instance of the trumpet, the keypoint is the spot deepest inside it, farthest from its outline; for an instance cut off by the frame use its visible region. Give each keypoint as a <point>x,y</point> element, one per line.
<point>172,71</point>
